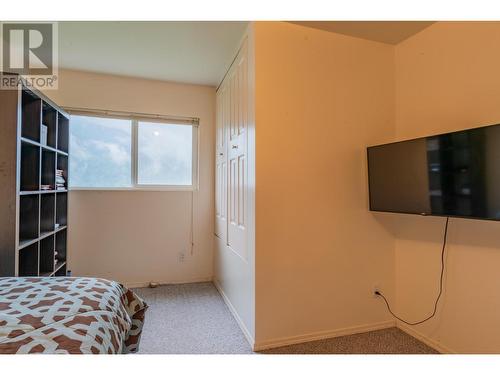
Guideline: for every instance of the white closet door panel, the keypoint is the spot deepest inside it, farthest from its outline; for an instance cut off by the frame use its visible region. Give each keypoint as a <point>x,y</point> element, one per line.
<point>221,166</point>
<point>242,96</point>
<point>237,154</point>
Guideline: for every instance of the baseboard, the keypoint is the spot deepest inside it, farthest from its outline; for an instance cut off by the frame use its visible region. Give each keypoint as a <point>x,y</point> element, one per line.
<point>235,314</point>
<point>144,284</point>
<point>426,340</point>
<point>322,335</point>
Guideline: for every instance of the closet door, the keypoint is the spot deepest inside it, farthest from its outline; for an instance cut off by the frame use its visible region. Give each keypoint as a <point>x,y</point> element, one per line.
<point>221,178</point>
<point>237,153</point>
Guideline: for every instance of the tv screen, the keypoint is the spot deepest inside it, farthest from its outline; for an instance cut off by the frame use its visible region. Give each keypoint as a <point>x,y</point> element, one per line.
<point>453,174</point>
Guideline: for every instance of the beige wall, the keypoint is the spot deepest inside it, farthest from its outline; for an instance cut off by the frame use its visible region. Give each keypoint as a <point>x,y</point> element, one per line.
<point>448,79</point>
<point>321,98</point>
<point>131,236</point>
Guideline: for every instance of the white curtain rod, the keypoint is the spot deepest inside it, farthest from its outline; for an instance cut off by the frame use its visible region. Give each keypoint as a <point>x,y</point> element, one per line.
<point>133,115</point>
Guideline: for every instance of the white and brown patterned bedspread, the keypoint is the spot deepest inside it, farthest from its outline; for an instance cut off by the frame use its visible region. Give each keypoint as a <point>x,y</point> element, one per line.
<point>68,315</point>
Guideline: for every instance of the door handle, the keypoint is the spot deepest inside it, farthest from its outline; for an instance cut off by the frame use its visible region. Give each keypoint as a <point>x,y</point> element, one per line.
<point>235,146</point>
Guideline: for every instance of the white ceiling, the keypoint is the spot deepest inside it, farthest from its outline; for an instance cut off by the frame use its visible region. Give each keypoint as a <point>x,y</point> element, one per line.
<point>190,52</point>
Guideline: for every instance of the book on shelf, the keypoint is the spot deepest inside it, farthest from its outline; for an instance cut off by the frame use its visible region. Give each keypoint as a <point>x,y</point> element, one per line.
<point>60,180</point>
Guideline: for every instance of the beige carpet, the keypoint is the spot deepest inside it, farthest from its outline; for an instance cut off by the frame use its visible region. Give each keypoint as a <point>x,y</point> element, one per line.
<point>193,319</point>
<point>189,319</point>
<point>384,341</point>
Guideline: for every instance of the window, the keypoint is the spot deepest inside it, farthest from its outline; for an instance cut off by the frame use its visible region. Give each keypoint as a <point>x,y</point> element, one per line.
<point>165,155</point>
<point>121,153</point>
<point>101,150</point>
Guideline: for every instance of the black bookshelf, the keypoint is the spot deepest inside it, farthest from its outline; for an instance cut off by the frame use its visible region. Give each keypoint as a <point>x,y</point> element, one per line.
<point>33,220</point>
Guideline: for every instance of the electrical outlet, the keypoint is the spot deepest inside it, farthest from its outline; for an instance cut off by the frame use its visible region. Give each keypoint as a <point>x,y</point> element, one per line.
<point>182,257</point>
<point>375,290</point>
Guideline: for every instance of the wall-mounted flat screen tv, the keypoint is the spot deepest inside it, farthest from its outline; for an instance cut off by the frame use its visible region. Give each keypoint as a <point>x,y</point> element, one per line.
<point>452,174</point>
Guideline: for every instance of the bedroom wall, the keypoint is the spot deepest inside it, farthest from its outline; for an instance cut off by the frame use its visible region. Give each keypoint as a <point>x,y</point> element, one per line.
<point>137,236</point>
<point>321,98</point>
<point>447,79</point>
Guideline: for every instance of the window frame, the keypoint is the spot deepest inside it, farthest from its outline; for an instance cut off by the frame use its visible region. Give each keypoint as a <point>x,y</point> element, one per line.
<point>134,152</point>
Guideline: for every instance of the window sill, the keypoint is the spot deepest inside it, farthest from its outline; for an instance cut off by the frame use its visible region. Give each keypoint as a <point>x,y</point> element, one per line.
<point>139,188</point>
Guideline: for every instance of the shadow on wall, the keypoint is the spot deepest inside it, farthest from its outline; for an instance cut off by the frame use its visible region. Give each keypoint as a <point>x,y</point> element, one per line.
<point>470,232</point>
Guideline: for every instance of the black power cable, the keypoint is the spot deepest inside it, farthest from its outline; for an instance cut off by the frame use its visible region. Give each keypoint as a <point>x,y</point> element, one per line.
<point>440,285</point>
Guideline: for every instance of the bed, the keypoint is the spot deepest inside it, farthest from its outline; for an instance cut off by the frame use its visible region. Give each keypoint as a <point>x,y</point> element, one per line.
<point>71,315</point>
